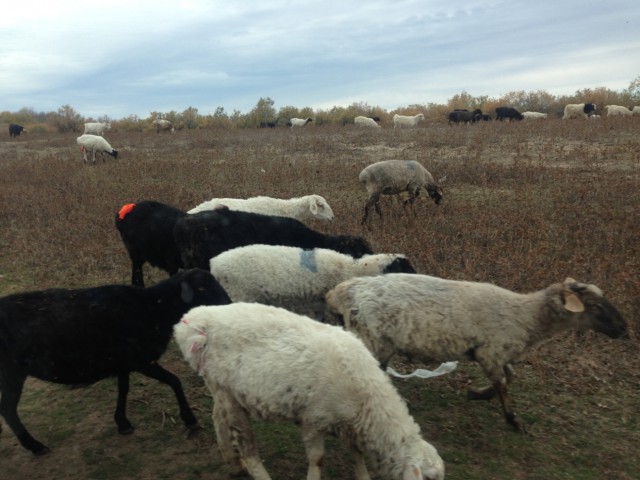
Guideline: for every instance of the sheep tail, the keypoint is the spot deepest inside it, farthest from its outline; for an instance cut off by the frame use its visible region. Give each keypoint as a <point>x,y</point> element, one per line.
<point>196,348</point>
<point>125,210</point>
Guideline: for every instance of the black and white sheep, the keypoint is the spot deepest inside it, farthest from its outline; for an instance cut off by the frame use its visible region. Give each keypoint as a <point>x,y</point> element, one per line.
<point>366,121</point>
<point>15,130</point>
<point>299,122</point>
<point>266,362</point>
<point>96,128</point>
<point>171,239</point>
<point>392,177</point>
<point>433,319</point>
<point>163,126</point>
<point>86,335</point>
<point>578,110</point>
<point>95,144</point>
<point>464,116</point>
<point>294,278</point>
<point>509,113</point>
<point>305,208</point>
<point>407,121</point>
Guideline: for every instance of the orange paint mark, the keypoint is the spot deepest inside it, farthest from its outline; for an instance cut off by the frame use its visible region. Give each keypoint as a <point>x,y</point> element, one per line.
<point>125,210</point>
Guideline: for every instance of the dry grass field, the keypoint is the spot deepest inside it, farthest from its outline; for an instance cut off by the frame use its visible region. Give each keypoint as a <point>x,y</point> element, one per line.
<point>526,205</point>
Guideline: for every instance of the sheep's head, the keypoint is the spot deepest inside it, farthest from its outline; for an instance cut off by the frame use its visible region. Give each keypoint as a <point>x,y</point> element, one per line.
<point>596,312</point>
<point>435,192</point>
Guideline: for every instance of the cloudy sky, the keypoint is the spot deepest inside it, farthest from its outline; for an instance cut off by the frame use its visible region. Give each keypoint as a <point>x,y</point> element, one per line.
<point>117,58</point>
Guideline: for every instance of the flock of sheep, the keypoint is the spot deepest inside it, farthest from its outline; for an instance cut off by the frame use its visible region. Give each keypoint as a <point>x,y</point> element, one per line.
<point>284,322</point>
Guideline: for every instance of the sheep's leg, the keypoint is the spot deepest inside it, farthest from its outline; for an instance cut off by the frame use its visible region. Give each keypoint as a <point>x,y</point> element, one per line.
<point>233,425</point>
<point>360,466</point>
<point>11,393</point>
<point>314,446</point>
<point>120,416</point>
<point>509,414</point>
<point>488,393</point>
<point>156,372</point>
<point>223,433</point>
<point>371,201</point>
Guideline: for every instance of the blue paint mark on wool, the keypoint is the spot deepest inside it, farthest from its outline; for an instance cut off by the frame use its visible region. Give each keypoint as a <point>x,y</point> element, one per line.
<point>411,165</point>
<point>308,260</point>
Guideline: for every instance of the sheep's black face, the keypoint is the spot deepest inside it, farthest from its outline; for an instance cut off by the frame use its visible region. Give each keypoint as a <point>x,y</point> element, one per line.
<point>400,265</point>
<point>603,315</point>
<point>435,193</point>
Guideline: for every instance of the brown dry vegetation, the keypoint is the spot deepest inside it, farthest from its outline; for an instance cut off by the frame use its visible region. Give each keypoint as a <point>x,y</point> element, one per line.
<point>526,205</point>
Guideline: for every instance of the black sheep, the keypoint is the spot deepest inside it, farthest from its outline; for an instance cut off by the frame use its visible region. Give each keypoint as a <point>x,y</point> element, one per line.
<point>85,335</point>
<point>15,130</point>
<point>171,239</point>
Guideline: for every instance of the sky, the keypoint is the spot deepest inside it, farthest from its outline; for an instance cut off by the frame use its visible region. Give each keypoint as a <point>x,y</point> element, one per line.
<point>115,58</point>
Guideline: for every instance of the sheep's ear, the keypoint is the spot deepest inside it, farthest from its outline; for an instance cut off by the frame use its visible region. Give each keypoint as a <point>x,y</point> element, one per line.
<point>411,472</point>
<point>572,302</point>
<point>313,206</point>
<point>186,292</point>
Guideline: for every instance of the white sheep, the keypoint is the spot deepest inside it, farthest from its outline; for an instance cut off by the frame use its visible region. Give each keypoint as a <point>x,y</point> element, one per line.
<point>578,110</point>
<point>95,143</point>
<point>163,126</point>
<point>266,362</point>
<point>365,122</point>
<point>617,111</point>
<point>96,128</point>
<point>295,278</point>
<point>299,122</point>
<point>407,121</point>
<point>433,319</point>
<point>305,208</point>
<point>392,177</point>
<point>635,110</point>
<point>534,115</point>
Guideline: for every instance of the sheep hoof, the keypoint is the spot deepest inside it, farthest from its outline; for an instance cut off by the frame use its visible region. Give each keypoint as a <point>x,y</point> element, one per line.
<point>41,450</point>
<point>126,430</point>
<point>484,394</point>
<point>192,430</point>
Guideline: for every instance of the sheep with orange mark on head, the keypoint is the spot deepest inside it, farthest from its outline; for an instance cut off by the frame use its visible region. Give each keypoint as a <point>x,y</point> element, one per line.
<point>95,144</point>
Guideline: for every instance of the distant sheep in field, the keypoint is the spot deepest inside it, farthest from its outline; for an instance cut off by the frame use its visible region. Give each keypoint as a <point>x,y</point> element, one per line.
<point>305,208</point>
<point>299,122</point>
<point>432,319</point>
<point>392,177</point>
<point>294,278</point>
<point>15,130</point>
<point>617,111</point>
<point>366,122</point>
<point>82,336</point>
<point>95,144</point>
<point>96,128</point>
<point>635,110</point>
<point>268,363</point>
<point>534,115</point>
<point>464,116</point>
<point>407,121</point>
<point>163,126</point>
<point>508,113</point>
<point>578,110</point>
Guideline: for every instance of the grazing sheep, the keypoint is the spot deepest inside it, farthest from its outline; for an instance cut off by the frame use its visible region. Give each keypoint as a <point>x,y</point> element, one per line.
<point>83,336</point>
<point>170,239</point>
<point>509,113</point>
<point>433,319</point>
<point>96,128</point>
<point>15,130</point>
<point>95,143</point>
<point>578,110</point>
<point>298,122</point>
<point>266,362</point>
<point>163,126</point>
<point>392,177</point>
<point>293,278</point>
<point>534,115</point>
<point>483,118</point>
<point>617,111</point>
<point>203,235</point>
<point>306,208</point>
<point>407,121</point>
<point>366,122</point>
<point>464,116</point>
